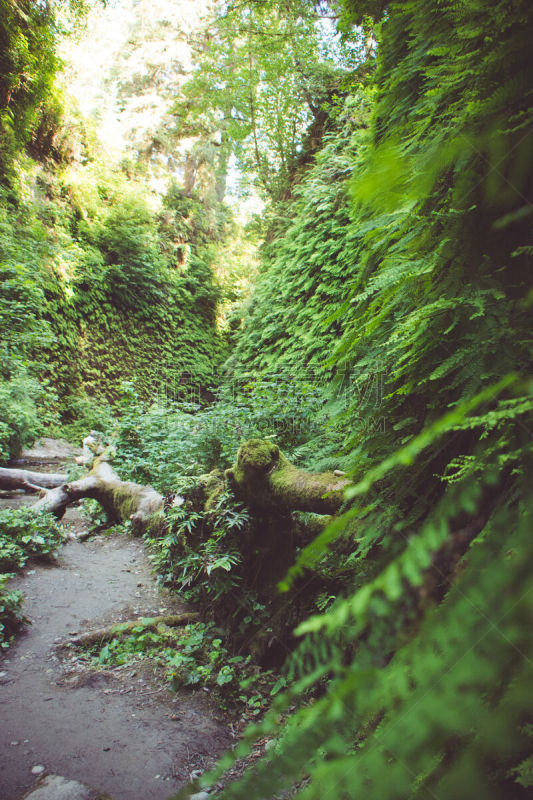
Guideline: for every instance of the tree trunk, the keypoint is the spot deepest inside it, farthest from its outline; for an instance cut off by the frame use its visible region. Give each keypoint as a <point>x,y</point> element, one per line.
<point>267,482</point>
<point>262,478</point>
<point>11,479</point>
<point>121,500</point>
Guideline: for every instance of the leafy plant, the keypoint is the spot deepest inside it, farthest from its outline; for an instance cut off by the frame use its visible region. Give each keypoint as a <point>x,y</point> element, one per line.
<point>11,616</point>
<point>82,414</point>
<point>192,656</point>
<point>199,552</point>
<point>389,719</point>
<point>19,417</point>
<point>25,534</point>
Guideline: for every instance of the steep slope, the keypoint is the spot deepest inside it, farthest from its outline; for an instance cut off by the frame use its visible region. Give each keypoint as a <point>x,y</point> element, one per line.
<point>106,261</point>
<point>419,276</point>
<point>415,268</point>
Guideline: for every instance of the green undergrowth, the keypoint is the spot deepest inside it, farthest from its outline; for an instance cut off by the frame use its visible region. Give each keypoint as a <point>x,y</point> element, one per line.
<point>452,685</point>
<point>193,656</point>
<point>23,535</point>
<point>161,442</point>
<point>198,554</point>
<point>215,553</point>
<point>215,556</point>
<point>11,616</point>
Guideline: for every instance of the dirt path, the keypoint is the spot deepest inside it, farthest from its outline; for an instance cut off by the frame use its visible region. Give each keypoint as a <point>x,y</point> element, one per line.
<point>118,730</point>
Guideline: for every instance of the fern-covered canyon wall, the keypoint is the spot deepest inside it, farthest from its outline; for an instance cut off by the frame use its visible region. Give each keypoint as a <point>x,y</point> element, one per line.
<point>403,257</point>
<point>107,260</point>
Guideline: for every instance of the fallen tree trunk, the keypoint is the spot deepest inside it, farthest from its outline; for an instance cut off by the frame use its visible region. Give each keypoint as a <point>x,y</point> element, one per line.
<point>11,479</point>
<point>121,500</point>
<point>262,477</point>
<point>265,480</point>
<point>101,635</point>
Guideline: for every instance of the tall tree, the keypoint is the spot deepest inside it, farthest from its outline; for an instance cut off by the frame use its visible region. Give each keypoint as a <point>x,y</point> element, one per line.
<point>266,72</point>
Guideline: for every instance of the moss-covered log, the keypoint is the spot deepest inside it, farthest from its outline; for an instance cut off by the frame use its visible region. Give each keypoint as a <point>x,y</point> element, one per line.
<point>121,500</point>
<point>102,635</point>
<point>262,477</point>
<point>266,481</point>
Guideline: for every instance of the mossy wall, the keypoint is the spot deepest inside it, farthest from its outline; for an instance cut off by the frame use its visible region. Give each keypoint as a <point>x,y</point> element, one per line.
<point>104,280</point>
<point>68,326</point>
<point>169,347</point>
<point>310,252</point>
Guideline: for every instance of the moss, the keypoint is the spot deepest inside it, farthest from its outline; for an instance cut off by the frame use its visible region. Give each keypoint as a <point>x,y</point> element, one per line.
<point>255,460</point>
<point>322,492</point>
<point>257,455</point>
<point>265,480</point>
<point>125,502</point>
<point>214,487</point>
<point>156,525</point>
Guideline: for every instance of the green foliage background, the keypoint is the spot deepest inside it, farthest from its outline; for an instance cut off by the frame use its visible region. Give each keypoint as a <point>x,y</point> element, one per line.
<point>98,301</point>
<point>394,285</point>
<point>100,283</point>
<point>404,257</point>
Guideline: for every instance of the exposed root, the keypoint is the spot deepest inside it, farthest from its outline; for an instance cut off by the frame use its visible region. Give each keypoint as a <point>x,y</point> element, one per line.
<point>102,635</point>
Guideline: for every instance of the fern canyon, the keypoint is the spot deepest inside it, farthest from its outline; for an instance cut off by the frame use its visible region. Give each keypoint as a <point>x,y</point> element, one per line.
<point>266,399</point>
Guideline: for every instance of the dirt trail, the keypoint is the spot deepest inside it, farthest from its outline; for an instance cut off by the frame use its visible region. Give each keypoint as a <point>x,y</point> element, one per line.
<point>120,732</point>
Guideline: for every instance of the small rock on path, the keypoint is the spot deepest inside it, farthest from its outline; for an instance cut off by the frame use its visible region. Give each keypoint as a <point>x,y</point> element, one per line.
<point>54,787</point>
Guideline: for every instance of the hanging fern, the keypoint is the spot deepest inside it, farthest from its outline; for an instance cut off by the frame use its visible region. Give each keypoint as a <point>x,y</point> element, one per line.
<point>407,252</point>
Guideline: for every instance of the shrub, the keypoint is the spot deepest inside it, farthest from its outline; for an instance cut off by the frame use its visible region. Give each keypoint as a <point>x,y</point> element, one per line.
<point>19,419</point>
<point>11,616</point>
<point>83,414</point>
<point>192,656</point>
<point>199,550</point>
<point>24,534</point>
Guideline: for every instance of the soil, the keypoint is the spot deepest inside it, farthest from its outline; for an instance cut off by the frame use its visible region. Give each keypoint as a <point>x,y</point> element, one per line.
<point>120,730</point>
